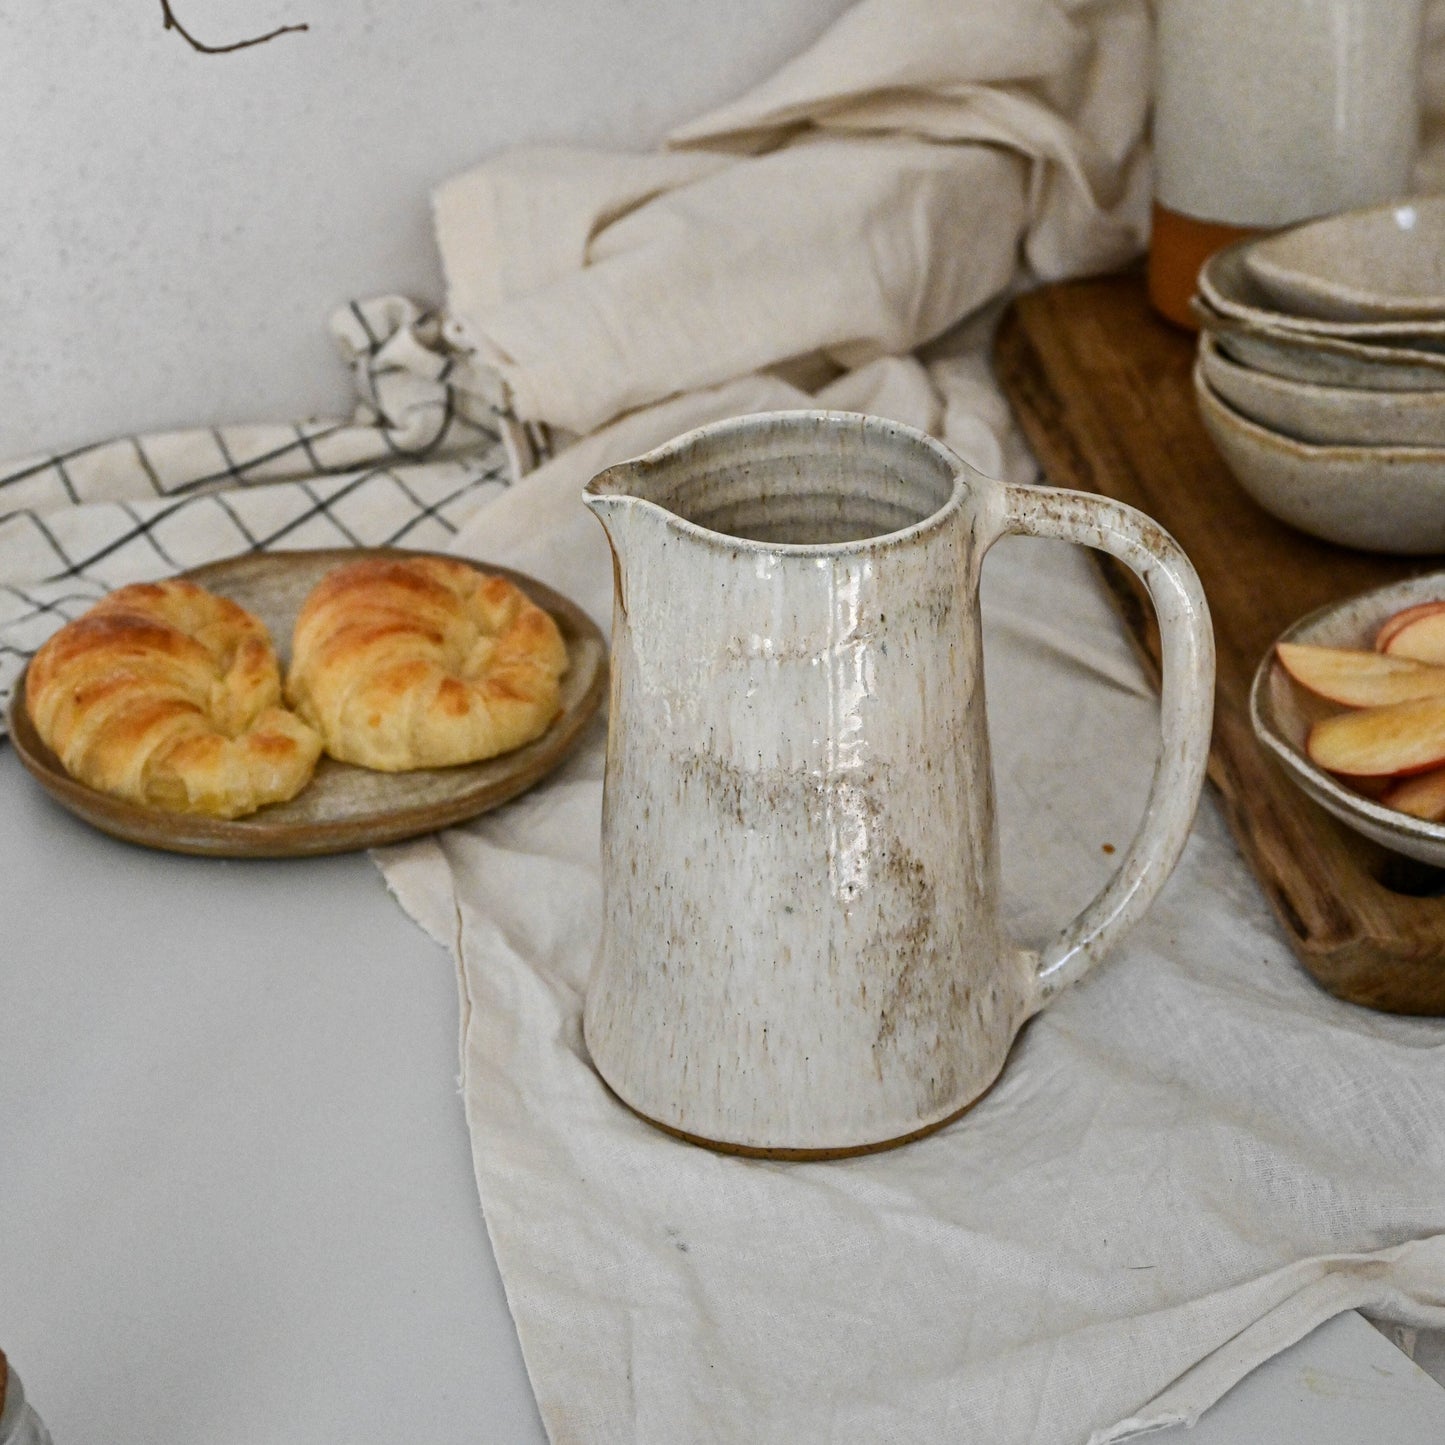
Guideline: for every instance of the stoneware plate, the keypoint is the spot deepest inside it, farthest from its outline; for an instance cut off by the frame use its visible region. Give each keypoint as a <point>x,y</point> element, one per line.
<point>1325,415</point>
<point>343,808</point>
<point>1282,714</point>
<point>1379,499</point>
<point>1228,285</point>
<point>1379,264</point>
<point>1327,360</point>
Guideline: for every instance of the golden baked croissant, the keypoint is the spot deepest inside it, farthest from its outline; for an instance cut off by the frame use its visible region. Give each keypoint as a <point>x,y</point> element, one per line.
<point>422,662</point>
<point>167,695</point>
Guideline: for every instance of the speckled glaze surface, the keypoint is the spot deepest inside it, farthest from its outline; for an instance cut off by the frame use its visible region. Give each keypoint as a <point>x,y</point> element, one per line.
<point>1227,283</point>
<point>1324,415</point>
<point>1381,263</point>
<point>1326,360</point>
<point>1269,111</point>
<point>801,946</point>
<point>1376,498</point>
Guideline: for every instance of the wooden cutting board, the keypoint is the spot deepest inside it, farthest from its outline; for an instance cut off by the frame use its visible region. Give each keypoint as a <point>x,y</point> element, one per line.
<point>1101,387</point>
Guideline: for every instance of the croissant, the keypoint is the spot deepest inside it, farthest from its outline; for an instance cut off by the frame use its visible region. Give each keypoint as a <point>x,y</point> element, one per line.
<point>423,662</point>
<point>166,695</point>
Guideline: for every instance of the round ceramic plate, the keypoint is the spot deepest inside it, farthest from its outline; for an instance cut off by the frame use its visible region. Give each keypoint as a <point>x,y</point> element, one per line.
<point>1282,714</point>
<point>343,808</point>
<point>1327,360</point>
<point>1227,284</point>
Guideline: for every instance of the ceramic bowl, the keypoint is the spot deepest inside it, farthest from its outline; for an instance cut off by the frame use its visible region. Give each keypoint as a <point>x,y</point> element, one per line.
<point>1325,360</point>
<point>1325,415</point>
<point>1378,499</point>
<point>1282,714</point>
<point>1227,284</point>
<point>1386,263</point>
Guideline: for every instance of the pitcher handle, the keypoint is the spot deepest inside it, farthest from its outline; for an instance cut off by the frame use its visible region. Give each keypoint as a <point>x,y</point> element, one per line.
<point>1186,711</point>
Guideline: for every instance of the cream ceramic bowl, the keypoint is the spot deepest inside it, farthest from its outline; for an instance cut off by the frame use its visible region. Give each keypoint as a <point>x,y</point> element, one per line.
<point>1386,263</point>
<point>1228,285</point>
<point>1325,360</point>
<point>1282,714</point>
<point>1378,499</point>
<point>1325,415</point>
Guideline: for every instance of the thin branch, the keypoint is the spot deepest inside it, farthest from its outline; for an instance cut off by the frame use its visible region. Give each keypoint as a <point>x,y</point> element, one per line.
<point>173,24</point>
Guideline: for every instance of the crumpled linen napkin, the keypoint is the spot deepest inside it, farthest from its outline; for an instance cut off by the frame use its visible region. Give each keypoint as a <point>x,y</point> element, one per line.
<point>913,167</point>
<point>879,189</point>
<point>1189,1161</point>
<point>1192,1159</point>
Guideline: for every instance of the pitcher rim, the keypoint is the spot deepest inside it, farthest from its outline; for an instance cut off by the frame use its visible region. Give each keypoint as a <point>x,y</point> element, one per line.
<point>962,472</point>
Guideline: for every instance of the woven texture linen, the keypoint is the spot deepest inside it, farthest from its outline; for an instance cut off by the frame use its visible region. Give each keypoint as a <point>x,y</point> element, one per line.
<point>1189,1161</point>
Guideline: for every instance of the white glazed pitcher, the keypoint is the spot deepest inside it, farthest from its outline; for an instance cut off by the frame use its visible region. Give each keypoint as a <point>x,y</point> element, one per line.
<point>801,951</point>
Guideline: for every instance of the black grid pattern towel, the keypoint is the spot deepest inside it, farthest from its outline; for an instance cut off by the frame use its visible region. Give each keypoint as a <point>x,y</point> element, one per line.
<point>431,440</point>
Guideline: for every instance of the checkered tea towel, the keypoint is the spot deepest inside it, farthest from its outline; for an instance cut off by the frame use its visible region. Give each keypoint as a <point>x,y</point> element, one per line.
<point>429,442</point>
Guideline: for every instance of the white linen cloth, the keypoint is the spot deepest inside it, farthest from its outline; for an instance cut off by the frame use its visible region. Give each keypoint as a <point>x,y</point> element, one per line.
<point>1189,1161</point>
<point>916,163</point>
<point>883,186</point>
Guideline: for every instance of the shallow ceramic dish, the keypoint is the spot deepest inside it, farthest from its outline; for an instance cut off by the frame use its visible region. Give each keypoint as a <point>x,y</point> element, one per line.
<point>1325,360</point>
<point>1379,499</point>
<point>1227,285</point>
<point>1282,713</point>
<point>1386,263</point>
<point>1325,415</point>
<point>343,808</point>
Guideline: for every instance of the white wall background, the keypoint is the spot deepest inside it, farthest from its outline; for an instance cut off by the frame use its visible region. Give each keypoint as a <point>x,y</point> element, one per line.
<point>177,227</point>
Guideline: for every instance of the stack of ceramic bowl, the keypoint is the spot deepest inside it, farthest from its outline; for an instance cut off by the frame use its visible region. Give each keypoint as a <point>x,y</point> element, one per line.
<point>1321,373</point>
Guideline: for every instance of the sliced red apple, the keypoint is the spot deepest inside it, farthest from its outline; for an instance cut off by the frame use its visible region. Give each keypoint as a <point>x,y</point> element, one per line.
<point>1358,678</point>
<point>1372,788</point>
<point>1408,737</point>
<point>1421,639</point>
<point>1421,797</point>
<point>1397,621</point>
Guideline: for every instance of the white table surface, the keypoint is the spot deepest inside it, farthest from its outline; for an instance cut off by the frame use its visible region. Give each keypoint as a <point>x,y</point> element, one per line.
<point>236,1193</point>
<point>236,1198</point>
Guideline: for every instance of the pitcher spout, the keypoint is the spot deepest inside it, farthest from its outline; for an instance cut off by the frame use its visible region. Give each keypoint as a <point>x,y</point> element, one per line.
<point>615,509</point>
<point>611,497</point>
<point>612,509</point>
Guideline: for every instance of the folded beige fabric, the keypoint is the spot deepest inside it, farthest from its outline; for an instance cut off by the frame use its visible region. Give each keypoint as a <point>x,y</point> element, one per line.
<point>1189,1162</point>
<point>901,174</point>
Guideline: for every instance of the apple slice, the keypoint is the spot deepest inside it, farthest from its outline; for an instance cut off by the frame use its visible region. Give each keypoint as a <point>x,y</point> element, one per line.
<point>1398,621</point>
<point>1420,797</point>
<point>1372,788</point>
<point>1408,737</point>
<point>1358,678</point>
<point>1422,639</point>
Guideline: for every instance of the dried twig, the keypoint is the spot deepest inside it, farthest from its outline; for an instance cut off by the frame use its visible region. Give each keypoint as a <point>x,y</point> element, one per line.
<point>173,24</point>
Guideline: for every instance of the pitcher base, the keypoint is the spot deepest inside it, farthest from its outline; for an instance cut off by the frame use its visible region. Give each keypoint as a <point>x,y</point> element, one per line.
<point>805,1156</point>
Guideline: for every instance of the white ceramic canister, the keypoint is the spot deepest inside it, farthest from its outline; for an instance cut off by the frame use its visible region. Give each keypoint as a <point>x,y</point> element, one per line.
<point>1272,111</point>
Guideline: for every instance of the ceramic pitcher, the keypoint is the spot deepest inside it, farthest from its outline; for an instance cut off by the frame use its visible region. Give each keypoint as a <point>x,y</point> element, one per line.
<point>802,952</point>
